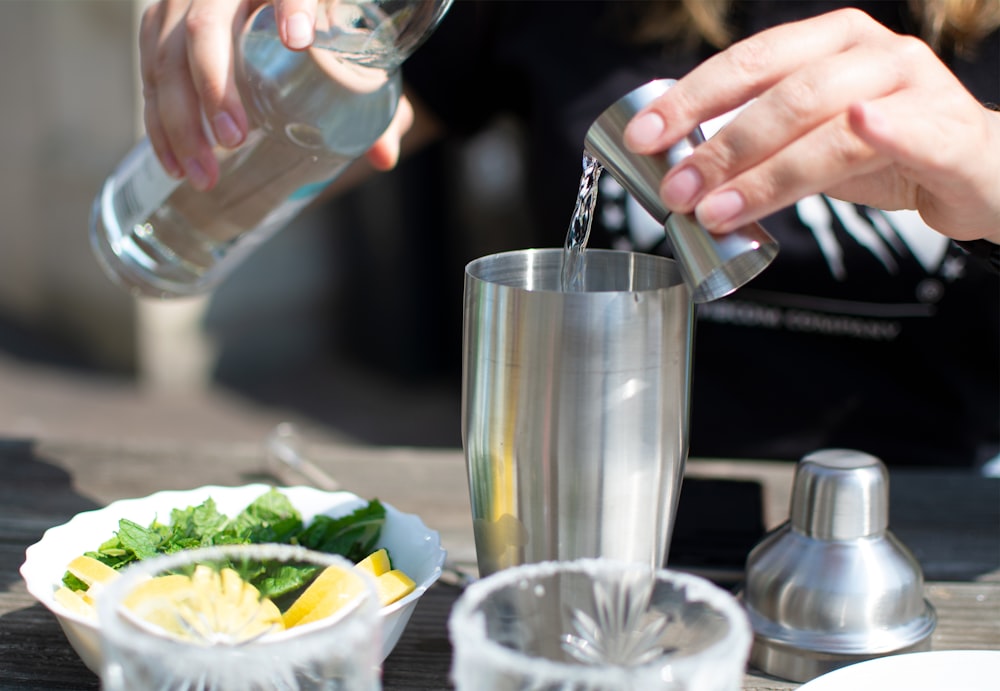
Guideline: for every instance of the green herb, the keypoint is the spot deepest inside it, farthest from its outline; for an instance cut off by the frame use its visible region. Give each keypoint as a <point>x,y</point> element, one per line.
<point>270,518</point>
<point>353,536</point>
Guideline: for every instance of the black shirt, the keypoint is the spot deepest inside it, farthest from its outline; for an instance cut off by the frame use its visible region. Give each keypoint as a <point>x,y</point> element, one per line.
<point>869,331</point>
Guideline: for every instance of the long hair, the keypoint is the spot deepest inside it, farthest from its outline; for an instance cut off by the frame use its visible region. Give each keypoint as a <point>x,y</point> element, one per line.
<point>684,21</point>
<point>956,25</point>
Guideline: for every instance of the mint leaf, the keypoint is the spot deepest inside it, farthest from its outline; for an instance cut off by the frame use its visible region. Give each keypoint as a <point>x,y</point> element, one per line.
<point>352,536</point>
<point>280,579</point>
<point>72,582</point>
<point>196,524</point>
<point>143,542</point>
<point>269,518</point>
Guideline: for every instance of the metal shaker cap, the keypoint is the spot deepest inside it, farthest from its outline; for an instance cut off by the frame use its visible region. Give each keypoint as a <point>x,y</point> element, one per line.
<point>840,494</point>
<point>833,586</point>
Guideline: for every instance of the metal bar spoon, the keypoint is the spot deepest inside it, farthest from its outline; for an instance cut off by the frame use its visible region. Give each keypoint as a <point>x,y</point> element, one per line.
<point>287,462</point>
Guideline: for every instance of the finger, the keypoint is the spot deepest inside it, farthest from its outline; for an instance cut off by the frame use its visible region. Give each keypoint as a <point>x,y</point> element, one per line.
<point>384,154</point>
<point>296,20</point>
<point>823,158</point>
<point>744,71</point>
<point>172,111</point>
<point>791,108</point>
<point>211,29</point>
<point>149,35</point>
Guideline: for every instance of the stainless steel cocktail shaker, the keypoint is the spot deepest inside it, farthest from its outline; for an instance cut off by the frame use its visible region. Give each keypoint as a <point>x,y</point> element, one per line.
<point>575,406</point>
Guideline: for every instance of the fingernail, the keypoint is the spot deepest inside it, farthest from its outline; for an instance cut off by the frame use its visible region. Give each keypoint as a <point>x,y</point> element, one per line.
<point>716,209</point>
<point>196,175</point>
<point>298,30</point>
<point>172,167</point>
<point>644,130</point>
<point>681,188</point>
<point>226,131</point>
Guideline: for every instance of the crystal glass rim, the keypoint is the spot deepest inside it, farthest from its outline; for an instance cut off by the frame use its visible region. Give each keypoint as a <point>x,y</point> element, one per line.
<point>473,641</point>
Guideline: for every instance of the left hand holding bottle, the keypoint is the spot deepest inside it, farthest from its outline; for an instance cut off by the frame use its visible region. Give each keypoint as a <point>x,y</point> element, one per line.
<point>186,60</point>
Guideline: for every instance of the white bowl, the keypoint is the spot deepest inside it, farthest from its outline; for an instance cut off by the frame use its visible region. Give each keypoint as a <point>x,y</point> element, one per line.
<point>414,548</point>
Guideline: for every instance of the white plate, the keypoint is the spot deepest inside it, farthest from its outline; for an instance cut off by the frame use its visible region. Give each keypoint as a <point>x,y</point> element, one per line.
<point>414,548</point>
<point>943,670</point>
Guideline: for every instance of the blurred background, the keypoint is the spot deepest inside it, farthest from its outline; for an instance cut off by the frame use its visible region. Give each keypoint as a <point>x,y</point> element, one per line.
<point>348,322</point>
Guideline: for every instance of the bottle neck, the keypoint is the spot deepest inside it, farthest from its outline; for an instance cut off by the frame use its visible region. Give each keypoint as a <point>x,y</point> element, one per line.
<point>376,33</point>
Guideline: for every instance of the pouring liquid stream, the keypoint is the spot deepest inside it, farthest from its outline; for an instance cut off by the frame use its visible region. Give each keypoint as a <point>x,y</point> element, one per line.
<point>573,274</point>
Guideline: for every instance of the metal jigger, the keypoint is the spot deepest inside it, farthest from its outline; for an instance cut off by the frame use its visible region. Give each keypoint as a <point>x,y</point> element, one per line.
<point>712,265</point>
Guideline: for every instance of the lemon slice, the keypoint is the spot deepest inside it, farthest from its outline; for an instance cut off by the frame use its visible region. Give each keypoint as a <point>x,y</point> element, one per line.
<point>335,587</point>
<point>161,588</point>
<point>75,601</point>
<point>91,571</point>
<point>95,574</point>
<point>208,607</point>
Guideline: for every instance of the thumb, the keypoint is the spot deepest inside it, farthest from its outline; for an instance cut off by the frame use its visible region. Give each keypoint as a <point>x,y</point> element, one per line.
<point>295,19</point>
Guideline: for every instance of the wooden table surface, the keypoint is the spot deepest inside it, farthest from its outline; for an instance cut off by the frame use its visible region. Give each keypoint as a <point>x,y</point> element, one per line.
<point>950,520</point>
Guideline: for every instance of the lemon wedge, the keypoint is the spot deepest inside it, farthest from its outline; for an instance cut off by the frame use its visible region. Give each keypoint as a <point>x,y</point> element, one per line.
<point>393,585</point>
<point>333,588</point>
<point>209,606</point>
<point>375,563</point>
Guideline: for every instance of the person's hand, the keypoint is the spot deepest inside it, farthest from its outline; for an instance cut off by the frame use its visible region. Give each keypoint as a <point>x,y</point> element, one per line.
<point>837,104</point>
<point>187,68</point>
